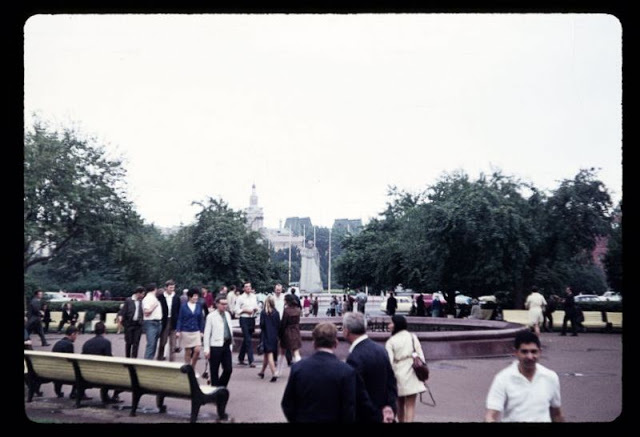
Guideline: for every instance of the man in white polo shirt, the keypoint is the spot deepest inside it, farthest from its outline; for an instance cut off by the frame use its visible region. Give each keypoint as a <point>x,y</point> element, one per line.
<point>525,391</point>
<point>152,324</point>
<point>246,311</point>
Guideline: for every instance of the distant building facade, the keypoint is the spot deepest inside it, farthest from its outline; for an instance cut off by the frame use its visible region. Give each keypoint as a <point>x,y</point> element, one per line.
<point>255,216</point>
<point>349,225</point>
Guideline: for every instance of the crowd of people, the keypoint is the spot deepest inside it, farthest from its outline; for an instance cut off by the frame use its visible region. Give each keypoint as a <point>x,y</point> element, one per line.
<point>375,384</point>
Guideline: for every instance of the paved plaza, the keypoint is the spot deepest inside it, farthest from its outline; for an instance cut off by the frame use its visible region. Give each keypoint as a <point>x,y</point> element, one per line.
<point>589,366</point>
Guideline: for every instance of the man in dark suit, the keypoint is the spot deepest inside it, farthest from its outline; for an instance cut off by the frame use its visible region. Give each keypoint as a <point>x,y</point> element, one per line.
<point>170,303</point>
<point>372,364</point>
<point>321,388</point>
<point>99,345</point>
<point>35,314</point>
<point>132,318</point>
<point>65,346</point>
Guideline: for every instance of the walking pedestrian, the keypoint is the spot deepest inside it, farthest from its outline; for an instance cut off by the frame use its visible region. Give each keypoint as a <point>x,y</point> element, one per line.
<point>269,327</point>
<point>401,347</point>
<point>371,362</point>
<point>526,391</point>
<point>190,328</point>
<point>218,342</point>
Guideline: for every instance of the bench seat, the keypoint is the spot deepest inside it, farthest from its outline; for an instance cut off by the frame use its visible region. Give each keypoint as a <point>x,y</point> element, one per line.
<point>139,376</point>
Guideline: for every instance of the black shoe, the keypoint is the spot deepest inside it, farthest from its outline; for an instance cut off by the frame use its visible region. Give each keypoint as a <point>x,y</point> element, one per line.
<point>273,379</point>
<point>241,363</point>
<point>252,365</point>
<point>261,375</point>
<point>60,395</point>
<point>46,344</point>
<point>562,335</point>
<point>39,394</point>
<point>574,335</point>
<point>223,416</point>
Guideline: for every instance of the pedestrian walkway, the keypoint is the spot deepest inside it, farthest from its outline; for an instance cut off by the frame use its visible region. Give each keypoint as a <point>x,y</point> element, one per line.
<point>589,366</point>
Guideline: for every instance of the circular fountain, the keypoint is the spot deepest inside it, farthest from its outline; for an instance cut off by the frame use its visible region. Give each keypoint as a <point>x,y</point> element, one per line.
<point>441,338</point>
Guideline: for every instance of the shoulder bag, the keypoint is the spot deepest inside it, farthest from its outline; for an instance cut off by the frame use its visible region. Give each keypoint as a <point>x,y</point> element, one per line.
<point>419,366</point>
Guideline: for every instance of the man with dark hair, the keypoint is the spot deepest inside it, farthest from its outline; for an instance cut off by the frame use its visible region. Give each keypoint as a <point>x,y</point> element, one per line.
<point>526,391</point>
<point>170,303</point>
<point>570,314</point>
<point>99,345</point>
<point>218,342</point>
<point>371,361</point>
<point>246,311</point>
<point>132,317</point>
<point>34,315</point>
<point>321,388</point>
<point>65,346</point>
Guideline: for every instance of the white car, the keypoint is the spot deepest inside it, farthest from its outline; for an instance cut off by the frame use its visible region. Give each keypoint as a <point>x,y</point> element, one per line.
<point>587,298</point>
<point>611,296</point>
<point>462,299</point>
<point>55,296</point>
<point>404,304</point>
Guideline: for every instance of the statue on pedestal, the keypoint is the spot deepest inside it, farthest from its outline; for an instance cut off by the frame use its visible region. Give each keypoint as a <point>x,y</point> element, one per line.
<point>310,281</point>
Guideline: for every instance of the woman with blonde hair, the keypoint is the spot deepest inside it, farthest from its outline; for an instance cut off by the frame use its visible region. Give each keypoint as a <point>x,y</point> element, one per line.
<point>269,325</point>
<point>401,347</point>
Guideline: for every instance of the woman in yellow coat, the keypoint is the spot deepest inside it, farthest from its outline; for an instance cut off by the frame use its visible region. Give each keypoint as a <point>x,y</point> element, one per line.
<point>400,348</point>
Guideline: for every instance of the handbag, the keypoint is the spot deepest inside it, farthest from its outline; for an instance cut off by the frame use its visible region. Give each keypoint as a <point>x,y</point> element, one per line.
<point>419,366</point>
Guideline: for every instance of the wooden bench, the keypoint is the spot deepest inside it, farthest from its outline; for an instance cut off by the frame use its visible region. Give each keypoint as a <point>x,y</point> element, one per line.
<point>56,316</point>
<point>595,320</point>
<point>516,316</point>
<point>614,321</point>
<point>138,376</point>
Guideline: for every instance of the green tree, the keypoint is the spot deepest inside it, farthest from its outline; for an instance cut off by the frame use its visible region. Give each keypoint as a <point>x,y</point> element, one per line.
<point>613,257</point>
<point>72,193</point>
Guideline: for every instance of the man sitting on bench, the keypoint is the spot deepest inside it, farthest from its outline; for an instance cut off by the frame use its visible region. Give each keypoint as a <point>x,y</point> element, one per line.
<point>65,346</point>
<point>99,345</point>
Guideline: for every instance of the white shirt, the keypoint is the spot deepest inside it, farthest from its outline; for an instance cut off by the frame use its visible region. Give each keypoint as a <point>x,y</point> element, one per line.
<point>169,299</point>
<point>357,341</point>
<point>150,302</point>
<point>521,400</point>
<point>279,303</point>
<point>246,301</point>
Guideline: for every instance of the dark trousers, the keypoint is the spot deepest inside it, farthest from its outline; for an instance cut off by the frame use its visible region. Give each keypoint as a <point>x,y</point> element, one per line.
<point>57,388</point>
<point>35,325</point>
<point>217,356</point>
<point>547,323</point>
<point>247,324</point>
<point>569,316</point>
<point>132,334</point>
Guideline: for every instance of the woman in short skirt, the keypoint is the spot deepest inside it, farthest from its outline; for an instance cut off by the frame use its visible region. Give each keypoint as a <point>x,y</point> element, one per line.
<point>190,328</point>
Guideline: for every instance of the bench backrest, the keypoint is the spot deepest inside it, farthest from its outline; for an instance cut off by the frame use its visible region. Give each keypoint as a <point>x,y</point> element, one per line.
<point>104,372</point>
<point>593,317</point>
<point>51,365</point>
<point>615,318</point>
<point>56,316</point>
<point>169,379</point>
<point>516,316</point>
<point>81,315</point>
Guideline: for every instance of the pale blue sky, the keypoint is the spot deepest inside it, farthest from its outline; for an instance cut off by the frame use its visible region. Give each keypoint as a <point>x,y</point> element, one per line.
<point>323,112</point>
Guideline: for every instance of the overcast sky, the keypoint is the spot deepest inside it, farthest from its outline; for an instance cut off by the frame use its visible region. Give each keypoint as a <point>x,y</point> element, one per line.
<point>323,112</point>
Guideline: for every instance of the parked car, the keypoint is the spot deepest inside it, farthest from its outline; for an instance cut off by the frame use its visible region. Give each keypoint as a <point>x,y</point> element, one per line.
<point>587,298</point>
<point>462,299</point>
<point>56,296</point>
<point>404,304</point>
<point>611,296</point>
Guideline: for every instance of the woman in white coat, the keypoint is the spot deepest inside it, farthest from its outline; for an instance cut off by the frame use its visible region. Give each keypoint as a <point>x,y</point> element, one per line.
<point>400,348</point>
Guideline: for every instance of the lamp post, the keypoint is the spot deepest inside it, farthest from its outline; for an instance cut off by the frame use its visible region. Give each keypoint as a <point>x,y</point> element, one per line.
<point>329,267</point>
<point>289,281</point>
